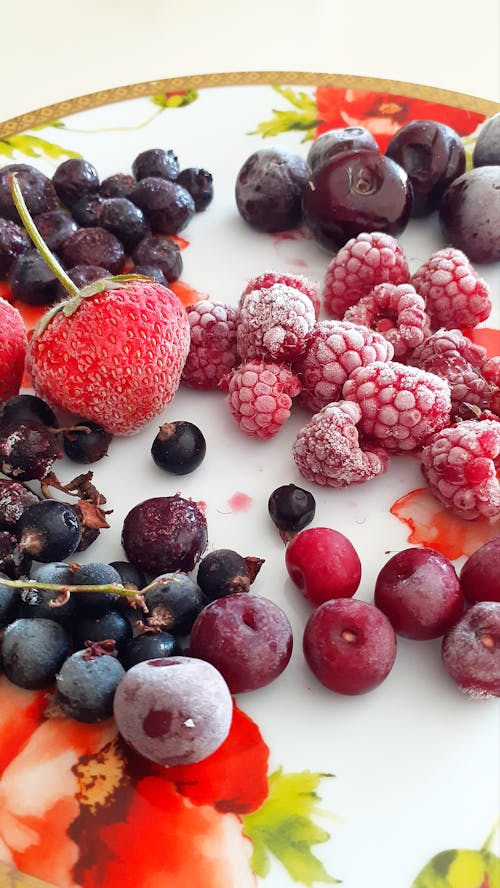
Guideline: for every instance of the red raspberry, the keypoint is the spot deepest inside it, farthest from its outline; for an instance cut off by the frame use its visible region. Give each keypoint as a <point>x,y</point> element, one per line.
<point>400,406</point>
<point>455,296</point>
<point>460,465</point>
<point>398,312</point>
<point>260,397</point>
<point>364,262</point>
<point>334,350</point>
<point>268,278</point>
<point>452,356</point>
<point>13,342</point>
<point>274,324</point>
<point>212,352</point>
<point>327,449</point>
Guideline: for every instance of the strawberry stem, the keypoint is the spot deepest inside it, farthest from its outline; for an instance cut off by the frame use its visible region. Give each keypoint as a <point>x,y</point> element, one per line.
<point>37,239</point>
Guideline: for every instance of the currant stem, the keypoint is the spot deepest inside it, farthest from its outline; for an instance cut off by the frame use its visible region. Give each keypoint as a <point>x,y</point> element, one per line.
<point>115,588</point>
<point>37,239</point>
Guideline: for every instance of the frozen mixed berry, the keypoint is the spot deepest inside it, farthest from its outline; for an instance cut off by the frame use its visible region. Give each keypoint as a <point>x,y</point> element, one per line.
<point>260,397</point>
<point>480,575</point>
<point>167,206</point>
<point>327,450</point>
<point>223,572</point>
<point>200,184</point>
<point>291,508</point>
<point>162,253</point>
<point>96,604</point>
<point>365,261</point>
<point>22,408</point>
<point>117,185</point>
<point>13,345</point>
<point>126,221</point>
<point>334,350</point>
<point>156,162</point>
<point>87,210</point>
<point>48,531</point>
<point>93,246</point>
<point>148,645</point>
<point>452,356</point>
<point>395,311</point>
<point>471,650</point>
<point>323,564</point>
<point>28,450</point>
<point>460,465</point>
<point>274,324</point>
<point>81,275</point>
<point>348,138</point>
<point>454,294</point>
<point>164,533</point>
<point>37,189</point>
<point>31,280</point>
<point>212,350</point>
<point>15,498</point>
<point>418,590</point>
<point>354,192</point>
<point>268,279</point>
<point>55,226</point>
<point>173,710</point>
<point>39,603</point>
<point>487,148</point>
<point>111,626</point>
<point>468,214</point>
<point>86,441</point>
<point>401,407</point>
<point>179,447</point>
<point>269,188</point>
<point>246,637</point>
<point>151,271</point>
<point>174,600</point>
<point>13,242</point>
<point>349,645</point>
<point>33,651</point>
<point>433,155</point>
<point>131,576</point>
<point>14,563</point>
<point>73,179</point>
<point>87,683</point>
<point>9,602</point>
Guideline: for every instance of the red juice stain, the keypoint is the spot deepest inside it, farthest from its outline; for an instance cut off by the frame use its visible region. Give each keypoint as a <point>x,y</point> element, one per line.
<point>201,505</point>
<point>187,294</point>
<point>438,528</point>
<point>488,337</point>
<point>240,502</point>
<point>180,241</point>
<point>293,234</point>
<point>5,291</point>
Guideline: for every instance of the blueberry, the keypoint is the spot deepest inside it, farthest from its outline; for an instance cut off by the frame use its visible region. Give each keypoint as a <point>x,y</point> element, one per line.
<point>156,162</point>
<point>117,185</point>
<point>174,602</point>
<point>55,226</point>
<point>33,651</point>
<point>95,604</point>
<point>200,185</point>
<point>87,209</point>
<point>223,572</point>
<point>86,686</point>
<point>94,246</point>
<point>151,271</point>
<point>112,626</point>
<point>487,148</point>
<point>48,531</point>
<point>73,179</point>
<point>86,446</point>
<point>179,447</point>
<point>81,275</point>
<point>37,189</point>
<point>31,280</point>
<point>21,408</point>
<point>126,221</point>
<point>36,602</point>
<point>131,577</point>
<point>291,508</point>
<point>269,188</point>
<point>167,206</point>
<point>13,242</point>
<point>162,253</point>
<point>148,646</point>
<point>9,602</point>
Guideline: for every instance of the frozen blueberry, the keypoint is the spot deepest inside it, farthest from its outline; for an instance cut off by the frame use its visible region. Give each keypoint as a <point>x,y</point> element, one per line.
<point>13,242</point>
<point>37,189</point>
<point>200,184</point>
<point>87,210</point>
<point>73,179</point>
<point>81,275</point>
<point>55,226</point>
<point>156,162</point>
<point>126,221</point>
<point>117,185</point>
<point>151,271</point>
<point>162,253</point>
<point>93,246</point>
<point>9,602</point>
<point>33,651</point>
<point>167,206</point>
<point>86,686</point>
<point>269,188</point>
<point>31,280</point>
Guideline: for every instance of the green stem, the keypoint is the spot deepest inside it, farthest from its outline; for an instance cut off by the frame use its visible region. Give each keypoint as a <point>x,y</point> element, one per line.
<point>489,838</point>
<point>116,129</point>
<point>37,239</point>
<point>116,588</point>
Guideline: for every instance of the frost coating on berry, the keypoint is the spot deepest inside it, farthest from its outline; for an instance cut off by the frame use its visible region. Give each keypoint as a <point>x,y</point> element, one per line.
<point>400,406</point>
<point>455,295</point>
<point>334,350</point>
<point>268,279</point>
<point>364,262</point>
<point>460,466</point>
<point>397,312</point>
<point>471,651</point>
<point>260,397</point>
<point>274,324</point>
<point>327,449</point>
<point>212,351</point>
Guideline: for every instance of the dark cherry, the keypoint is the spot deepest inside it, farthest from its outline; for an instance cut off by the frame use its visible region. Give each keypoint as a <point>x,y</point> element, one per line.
<point>433,155</point>
<point>31,280</point>
<point>355,192</point>
<point>73,179</point>
<point>87,210</point>
<point>118,185</point>
<point>81,275</point>
<point>487,148</point>
<point>156,162</point>
<point>348,138</point>
<point>162,253</point>
<point>37,189</point>
<point>168,207</point>
<point>126,221</point>
<point>200,184</point>
<point>13,242</point>
<point>55,226</point>
<point>469,213</point>
<point>269,188</point>
<point>94,246</point>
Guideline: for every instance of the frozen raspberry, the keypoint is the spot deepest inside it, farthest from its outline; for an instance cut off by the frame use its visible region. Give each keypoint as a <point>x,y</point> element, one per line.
<point>327,449</point>
<point>400,406</point>
<point>269,278</point>
<point>452,356</point>
<point>398,312</point>
<point>491,370</point>
<point>260,397</point>
<point>212,351</point>
<point>454,294</point>
<point>334,350</point>
<point>460,465</point>
<point>364,262</point>
<point>274,324</point>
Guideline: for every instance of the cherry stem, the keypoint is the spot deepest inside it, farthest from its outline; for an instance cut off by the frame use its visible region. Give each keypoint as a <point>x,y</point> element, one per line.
<point>37,239</point>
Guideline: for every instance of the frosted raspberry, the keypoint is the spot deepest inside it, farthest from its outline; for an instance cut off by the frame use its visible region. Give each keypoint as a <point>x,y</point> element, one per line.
<point>327,449</point>
<point>454,294</point>
<point>400,406</point>
<point>274,324</point>
<point>260,397</point>
<point>460,466</point>
<point>491,370</point>
<point>396,311</point>
<point>453,357</point>
<point>334,350</point>
<point>364,262</point>
<point>268,278</point>
<point>212,352</point>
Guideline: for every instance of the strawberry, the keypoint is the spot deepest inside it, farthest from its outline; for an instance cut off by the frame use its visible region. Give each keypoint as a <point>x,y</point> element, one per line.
<point>13,342</point>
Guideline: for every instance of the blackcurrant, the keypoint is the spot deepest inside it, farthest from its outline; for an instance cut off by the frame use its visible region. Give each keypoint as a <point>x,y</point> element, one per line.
<point>179,447</point>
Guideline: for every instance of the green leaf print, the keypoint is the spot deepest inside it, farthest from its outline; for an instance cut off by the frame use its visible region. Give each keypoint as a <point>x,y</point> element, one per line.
<point>304,118</point>
<point>34,146</point>
<point>284,827</point>
<point>459,868</point>
<point>175,99</point>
